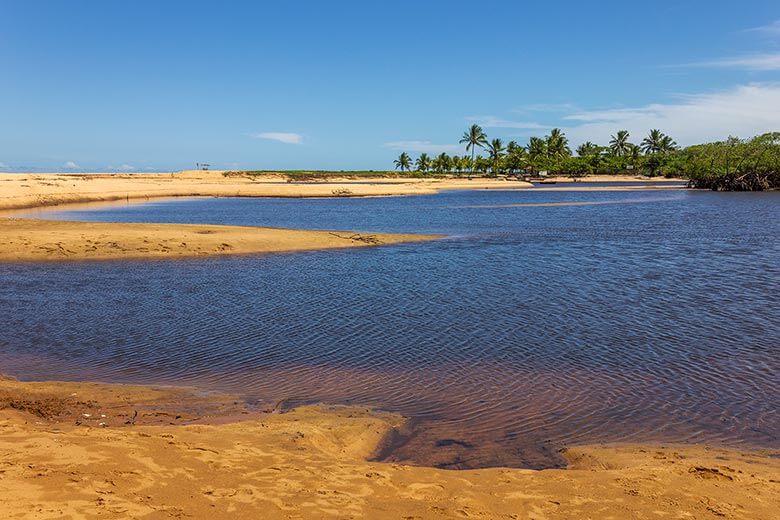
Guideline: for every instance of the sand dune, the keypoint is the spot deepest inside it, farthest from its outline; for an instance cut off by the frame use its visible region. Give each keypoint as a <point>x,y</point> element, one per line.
<point>104,451</point>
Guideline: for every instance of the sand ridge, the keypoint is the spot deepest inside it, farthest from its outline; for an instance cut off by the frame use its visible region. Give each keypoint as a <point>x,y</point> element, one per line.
<point>57,460</point>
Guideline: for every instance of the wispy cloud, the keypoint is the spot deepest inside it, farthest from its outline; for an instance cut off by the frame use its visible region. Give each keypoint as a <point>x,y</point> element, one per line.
<point>70,165</point>
<point>422,146</point>
<point>282,137</point>
<point>771,29</point>
<point>743,111</point>
<point>546,107</point>
<point>497,122</point>
<point>756,62</point>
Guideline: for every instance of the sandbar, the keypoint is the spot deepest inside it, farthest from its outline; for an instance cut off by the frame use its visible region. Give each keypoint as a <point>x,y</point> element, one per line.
<point>29,240</point>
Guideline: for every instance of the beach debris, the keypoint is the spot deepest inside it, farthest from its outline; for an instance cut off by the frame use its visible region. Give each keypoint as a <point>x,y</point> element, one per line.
<point>86,415</point>
<point>359,237</point>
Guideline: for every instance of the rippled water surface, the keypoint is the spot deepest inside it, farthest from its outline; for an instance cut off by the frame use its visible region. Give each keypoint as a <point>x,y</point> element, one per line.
<point>544,319</point>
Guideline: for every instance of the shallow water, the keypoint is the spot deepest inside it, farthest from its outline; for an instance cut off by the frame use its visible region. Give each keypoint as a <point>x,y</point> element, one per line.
<point>544,319</point>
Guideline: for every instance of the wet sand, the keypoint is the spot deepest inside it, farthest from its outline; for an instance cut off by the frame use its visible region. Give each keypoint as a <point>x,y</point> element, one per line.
<point>83,450</point>
<point>53,240</point>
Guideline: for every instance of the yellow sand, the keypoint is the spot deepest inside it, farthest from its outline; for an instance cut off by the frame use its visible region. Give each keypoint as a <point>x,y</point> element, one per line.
<point>57,461</point>
<point>37,190</point>
<point>44,240</point>
<point>46,189</point>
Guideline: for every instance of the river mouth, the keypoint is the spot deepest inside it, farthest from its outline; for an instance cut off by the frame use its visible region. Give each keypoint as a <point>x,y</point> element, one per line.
<point>545,319</point>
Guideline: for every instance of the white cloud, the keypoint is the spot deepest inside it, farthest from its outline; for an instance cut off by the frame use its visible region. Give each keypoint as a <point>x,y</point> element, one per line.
<point>757,62</point>
<point>497,122</point>
<point>282,137</point>
<point>744,111</point>
<point>422,146</point>
<point>126,168</point>
<point>772,29</point>
<point>4,166</point>
<point>70,165</point>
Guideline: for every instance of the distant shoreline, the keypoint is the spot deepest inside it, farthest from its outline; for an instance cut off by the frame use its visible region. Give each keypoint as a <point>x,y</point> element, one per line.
<point>31,239</point>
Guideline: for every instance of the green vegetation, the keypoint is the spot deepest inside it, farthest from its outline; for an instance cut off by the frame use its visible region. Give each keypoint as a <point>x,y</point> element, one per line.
<point>733,164</point>
<point>404,162</point>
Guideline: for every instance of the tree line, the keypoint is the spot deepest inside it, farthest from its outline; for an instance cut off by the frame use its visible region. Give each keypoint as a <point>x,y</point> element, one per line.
<point>734,164</point>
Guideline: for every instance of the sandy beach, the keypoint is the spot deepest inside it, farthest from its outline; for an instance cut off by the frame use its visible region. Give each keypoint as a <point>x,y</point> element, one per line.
<point>25,239</point>
<point>52,240</point>
<point>85,450</point>
<point>19,191</point>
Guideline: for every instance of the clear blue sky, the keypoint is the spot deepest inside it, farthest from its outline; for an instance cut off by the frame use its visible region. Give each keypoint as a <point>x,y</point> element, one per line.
<point>96,84</point>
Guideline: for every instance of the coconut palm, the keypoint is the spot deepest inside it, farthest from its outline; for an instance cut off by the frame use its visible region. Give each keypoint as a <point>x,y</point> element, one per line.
<point>516,158</point>
<point>537,148</point>
<point>423,162</point>
<point>618,144</point>
<point>668,144</point>
<point>442,163</point>
<point>496,152</point>
<point>512,147</point>
<point>466,163</point>
<point>557,145</point>
<point>457,163</point>
<point>588,149</point>
<point>474,138</point>
<point>657,142</point>
<point>404,162</point>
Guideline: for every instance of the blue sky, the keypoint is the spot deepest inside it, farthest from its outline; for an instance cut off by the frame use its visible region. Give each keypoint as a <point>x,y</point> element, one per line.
<point>96,85</point>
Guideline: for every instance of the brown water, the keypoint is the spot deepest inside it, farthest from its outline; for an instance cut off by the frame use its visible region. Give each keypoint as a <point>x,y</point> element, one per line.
<point>546,319</point>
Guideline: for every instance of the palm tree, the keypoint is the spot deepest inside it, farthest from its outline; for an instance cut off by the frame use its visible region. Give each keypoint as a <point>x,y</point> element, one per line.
<point>496,151</point>
<point>423,162</point>
<point>457,163</point>
<point>537,148</point>
<point>557,144</point>
<point>657,142</point>
<point>474,137</point>
<point>619,145</point>
<point>404,162</point>
<point>588,149</point>
<point>668,144</point>
<point>442,163</point>
<point>466,163</point>
<point>515,157</point>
